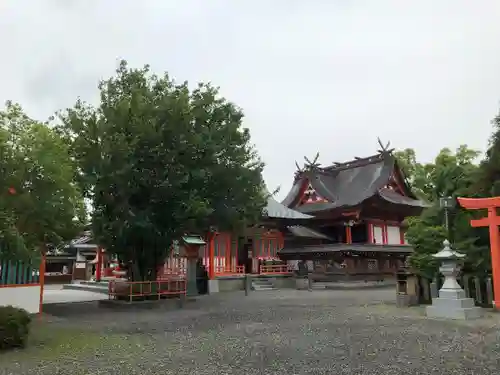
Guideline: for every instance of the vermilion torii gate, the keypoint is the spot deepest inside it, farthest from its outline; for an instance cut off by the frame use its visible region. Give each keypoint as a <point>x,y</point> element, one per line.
<point>493,222</point>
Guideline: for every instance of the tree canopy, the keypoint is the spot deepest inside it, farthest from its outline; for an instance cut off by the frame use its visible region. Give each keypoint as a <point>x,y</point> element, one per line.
<point>39,203</point>
<point>160,160</point>
<point>450,174</point>
<point>489,172</point>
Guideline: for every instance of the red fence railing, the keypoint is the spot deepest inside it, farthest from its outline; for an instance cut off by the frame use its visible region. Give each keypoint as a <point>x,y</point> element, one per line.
<point>143,290</point>
<point>234,270</point>
<point>275,269</point>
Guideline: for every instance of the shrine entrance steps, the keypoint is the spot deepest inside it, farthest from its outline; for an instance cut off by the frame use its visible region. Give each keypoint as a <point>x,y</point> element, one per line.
<point>262,283</point>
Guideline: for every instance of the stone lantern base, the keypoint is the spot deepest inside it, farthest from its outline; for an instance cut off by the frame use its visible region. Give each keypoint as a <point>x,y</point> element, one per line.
<point>452,302</point>
<point>453,305</point>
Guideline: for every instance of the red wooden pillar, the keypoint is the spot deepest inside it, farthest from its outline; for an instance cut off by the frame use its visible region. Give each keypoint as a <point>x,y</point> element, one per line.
<point>211,255</point>
<point>348,234</point>
<point>229,256</point>
<point>98,269</point>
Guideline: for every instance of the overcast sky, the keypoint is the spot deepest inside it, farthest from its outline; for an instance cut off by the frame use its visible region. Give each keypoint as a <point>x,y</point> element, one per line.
<point>317,75</point>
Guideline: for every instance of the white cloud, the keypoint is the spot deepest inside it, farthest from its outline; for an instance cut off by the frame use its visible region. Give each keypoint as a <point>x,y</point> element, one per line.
<point>327,76</point>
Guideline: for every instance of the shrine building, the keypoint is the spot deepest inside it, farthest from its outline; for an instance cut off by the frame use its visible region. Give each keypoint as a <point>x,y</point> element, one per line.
<point>359,206</point>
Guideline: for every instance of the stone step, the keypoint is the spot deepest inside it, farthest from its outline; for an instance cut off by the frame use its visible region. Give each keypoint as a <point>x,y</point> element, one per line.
<point>103,289</point>
<point>258,289</point>
<point>259,284</point>
<point>262,282</point>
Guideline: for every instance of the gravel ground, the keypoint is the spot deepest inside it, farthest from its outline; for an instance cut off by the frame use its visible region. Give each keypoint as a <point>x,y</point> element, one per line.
<point>275,332</point>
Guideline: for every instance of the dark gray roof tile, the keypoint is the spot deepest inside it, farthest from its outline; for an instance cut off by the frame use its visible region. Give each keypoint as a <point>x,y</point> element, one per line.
<point>275,209</point>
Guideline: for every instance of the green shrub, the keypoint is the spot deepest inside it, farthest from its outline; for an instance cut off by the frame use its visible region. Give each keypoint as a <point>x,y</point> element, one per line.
<point>14,327</point>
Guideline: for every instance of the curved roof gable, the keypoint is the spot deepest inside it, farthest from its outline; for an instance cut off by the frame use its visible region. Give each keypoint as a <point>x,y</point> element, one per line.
<point>349,184</point>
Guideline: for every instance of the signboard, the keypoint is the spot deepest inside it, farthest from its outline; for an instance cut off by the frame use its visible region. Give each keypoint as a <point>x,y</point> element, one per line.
<point>80,265</point>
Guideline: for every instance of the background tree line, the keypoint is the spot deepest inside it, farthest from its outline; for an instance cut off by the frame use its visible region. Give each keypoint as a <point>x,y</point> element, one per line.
<point>455,173</point>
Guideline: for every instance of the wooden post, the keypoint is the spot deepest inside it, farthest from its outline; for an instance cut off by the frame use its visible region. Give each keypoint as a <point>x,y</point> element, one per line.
<point>489,291</point>
<point>492,221</point>
<point>479,294</point>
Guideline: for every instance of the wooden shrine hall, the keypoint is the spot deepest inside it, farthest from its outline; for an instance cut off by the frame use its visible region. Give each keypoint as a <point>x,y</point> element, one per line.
<point>360,206</point>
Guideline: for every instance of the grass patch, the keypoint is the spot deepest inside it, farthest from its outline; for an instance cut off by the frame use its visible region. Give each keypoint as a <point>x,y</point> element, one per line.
<point>50,341</point>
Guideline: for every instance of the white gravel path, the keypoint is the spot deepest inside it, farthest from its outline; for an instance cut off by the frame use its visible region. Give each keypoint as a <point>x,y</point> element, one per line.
<point>57,295</point>
<point>276,332</point>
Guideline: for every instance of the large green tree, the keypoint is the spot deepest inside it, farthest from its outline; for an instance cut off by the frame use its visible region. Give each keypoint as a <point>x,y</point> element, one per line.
<point>489,178</point>
<point>160,160</point>
<point>450,174</point>
<point>40,204</point>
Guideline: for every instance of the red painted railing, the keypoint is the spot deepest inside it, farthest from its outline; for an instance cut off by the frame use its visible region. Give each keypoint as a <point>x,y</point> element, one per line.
<point>169,273</point>
<point>234,270</point>
<point>146,289</point>
<point>275,269</point>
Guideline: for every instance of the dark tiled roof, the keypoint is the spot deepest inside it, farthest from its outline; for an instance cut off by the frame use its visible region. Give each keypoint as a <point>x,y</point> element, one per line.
<point>349,184</point>
<point>393,197</point>
<point>85,241</point>
<point>332,248</point>
<point>275,209</point>
<point>301,231</point>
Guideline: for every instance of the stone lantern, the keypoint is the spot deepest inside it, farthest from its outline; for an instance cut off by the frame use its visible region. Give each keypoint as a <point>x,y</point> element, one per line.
<point>452,302</point>
<point>191,250</point>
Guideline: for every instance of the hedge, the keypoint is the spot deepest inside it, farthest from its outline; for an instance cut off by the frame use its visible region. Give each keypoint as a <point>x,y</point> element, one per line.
<point>14,327</point>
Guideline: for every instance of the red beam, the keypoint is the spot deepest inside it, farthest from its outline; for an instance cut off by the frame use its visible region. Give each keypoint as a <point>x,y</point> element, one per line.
<point>485,221</point>
<point>479,203</point>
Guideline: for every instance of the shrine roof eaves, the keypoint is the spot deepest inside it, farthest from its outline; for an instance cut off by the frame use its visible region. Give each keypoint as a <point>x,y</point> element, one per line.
<point>334,248</point>
<point>275,209</point>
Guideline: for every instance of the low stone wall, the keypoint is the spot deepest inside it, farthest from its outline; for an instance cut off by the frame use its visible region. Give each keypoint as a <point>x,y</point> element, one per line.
<point>231,283</point>
<point>283,281</point>
<point>359,276</point>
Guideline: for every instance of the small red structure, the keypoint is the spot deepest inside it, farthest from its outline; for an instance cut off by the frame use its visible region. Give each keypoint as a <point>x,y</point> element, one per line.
<point>492,221</point>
